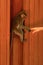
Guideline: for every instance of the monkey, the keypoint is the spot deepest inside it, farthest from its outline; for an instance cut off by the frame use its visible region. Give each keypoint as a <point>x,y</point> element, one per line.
<point>17,26</point>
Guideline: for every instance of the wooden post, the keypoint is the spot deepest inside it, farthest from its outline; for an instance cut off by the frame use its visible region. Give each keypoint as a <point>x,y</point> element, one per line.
<point>4,32</point>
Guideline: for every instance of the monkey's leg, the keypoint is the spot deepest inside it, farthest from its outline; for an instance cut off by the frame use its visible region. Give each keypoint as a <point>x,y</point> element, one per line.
<point>19,33</point>
<point>21,37</point>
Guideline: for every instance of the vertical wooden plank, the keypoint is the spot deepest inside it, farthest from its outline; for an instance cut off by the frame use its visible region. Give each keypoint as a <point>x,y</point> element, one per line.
<point>4,31</point>
<point>16,6</point>
<point>26,44</point>
<point>8,31</point>
<point>41,34</point>
<point>41,48</point>
<point>0,33</point>
<point>32,21</point>
<point>36,39</point>
<point>3,34</point>
<point>41,11</point>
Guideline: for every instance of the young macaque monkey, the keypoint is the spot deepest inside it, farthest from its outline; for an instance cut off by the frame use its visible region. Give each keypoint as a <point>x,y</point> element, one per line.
<point>17,26</point>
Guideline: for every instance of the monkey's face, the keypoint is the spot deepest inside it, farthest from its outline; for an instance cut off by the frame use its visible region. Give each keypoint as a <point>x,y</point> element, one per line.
<point>23,14</point>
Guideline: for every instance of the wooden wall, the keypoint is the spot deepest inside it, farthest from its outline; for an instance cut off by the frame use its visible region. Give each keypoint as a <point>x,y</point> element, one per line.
<point>31,51</point>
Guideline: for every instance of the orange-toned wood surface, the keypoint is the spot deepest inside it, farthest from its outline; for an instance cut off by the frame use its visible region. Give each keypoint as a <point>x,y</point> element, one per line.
<point>4,32</point>
<point>31,51</point>
<point>36,40</point>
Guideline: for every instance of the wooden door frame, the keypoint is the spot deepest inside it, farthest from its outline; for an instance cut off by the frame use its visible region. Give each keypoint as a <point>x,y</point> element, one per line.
<point>4,32</point>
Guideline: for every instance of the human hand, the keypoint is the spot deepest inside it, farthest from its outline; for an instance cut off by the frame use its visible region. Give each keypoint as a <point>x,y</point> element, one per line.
<point>36,29</point>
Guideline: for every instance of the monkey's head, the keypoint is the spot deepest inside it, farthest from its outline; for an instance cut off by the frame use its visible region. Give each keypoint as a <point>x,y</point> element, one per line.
<point>23,14</point>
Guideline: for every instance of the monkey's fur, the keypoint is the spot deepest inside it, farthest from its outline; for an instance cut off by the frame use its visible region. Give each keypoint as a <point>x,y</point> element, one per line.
<point>17,25</point>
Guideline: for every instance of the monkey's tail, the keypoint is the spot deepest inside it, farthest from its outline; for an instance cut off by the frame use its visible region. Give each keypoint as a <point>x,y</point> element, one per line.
<point>11,49</point>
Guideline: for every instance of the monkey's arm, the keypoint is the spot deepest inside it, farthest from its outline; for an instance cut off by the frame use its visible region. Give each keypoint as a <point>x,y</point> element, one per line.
<point>25,28</point>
